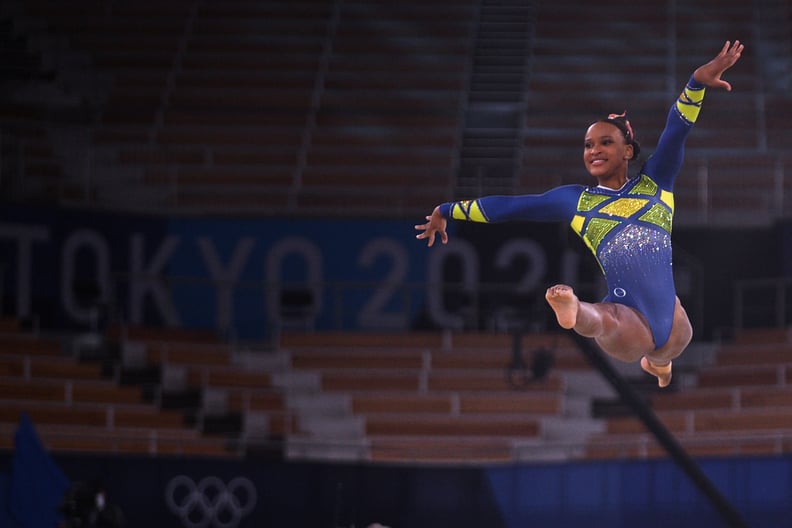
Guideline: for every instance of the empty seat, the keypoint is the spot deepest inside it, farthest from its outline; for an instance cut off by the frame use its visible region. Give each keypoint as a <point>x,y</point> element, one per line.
<point>439,425</point>
<point>433,449</point>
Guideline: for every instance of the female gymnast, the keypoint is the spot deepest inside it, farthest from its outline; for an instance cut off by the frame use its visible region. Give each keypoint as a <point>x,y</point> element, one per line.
<point>625,222</point>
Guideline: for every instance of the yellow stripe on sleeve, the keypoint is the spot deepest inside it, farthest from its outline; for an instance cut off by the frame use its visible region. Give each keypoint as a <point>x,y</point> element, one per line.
<point>468,210</point>
<point>475,213</point>
<point>689,103</point>
<point>667,198</point>
<point>577,224</point>
<point>457,213</point>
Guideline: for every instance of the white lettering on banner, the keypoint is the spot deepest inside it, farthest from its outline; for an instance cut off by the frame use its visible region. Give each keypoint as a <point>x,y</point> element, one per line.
<point>89,242</point>
<point>150,280</point>
<point>225,278</point>
<point>311,255</point>
<point>537,262</point>
<point>373,314</point>
<point>24,235</point>
<point>382,301</point>
<point>465,252</point>
<point>513,250</point>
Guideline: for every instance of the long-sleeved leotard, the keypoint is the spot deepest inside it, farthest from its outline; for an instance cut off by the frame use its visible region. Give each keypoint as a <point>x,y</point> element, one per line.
<point>628,230</point>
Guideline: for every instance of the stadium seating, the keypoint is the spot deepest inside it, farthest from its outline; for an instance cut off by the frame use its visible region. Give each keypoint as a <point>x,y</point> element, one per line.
<point>433,398</point>
<point>75,406</point>
<point>407,398</point>
<point>355,108</point>
<point>314,108</point>
<point>738,405</point>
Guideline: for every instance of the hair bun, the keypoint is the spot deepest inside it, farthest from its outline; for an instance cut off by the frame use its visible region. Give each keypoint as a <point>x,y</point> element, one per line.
<point>621,122</point>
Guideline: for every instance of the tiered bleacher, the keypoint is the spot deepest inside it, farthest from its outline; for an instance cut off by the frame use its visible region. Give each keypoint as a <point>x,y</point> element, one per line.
<point>332,108</point>
<point>77,406</point>
<point>738,404</point>
<point>274,107</point>
<point>434,398</point>
<point>355,108</point>
<point>406,398</point>
<point>586,69</point>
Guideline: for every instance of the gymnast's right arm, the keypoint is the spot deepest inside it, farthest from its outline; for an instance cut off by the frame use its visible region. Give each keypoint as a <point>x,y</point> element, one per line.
<point>557,204</point>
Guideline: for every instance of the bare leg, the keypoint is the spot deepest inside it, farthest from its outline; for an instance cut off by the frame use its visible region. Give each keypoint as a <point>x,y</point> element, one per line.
<point>658,362</point>
<point>620,331</point>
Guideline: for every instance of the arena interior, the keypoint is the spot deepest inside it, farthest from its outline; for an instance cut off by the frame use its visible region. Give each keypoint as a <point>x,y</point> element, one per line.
<point>215,311</point>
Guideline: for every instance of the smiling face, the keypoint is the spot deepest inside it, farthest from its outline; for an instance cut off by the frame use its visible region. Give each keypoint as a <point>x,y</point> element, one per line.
<point>605,154</point>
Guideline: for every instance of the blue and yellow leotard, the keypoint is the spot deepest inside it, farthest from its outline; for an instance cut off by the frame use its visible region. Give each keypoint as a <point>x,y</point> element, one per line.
<point>628,230</point>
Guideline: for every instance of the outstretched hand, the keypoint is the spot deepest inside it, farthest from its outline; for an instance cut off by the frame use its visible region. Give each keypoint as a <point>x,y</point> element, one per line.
<point>435,224</point>
<point>710,74</point>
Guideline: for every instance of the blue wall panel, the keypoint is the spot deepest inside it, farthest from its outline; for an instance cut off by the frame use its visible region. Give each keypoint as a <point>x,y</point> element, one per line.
<point>612,494</point>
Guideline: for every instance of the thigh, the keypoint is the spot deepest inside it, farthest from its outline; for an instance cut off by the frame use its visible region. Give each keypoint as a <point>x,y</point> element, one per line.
<point>681,335</point>
<point>627,335</point>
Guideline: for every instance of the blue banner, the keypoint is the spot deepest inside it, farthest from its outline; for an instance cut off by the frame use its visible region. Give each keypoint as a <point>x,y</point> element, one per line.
<point>342,274</point>
<point>248,277</point>
<point>236,276</point>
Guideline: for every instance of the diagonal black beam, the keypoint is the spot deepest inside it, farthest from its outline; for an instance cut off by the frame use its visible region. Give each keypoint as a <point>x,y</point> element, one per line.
<point>682,459</point>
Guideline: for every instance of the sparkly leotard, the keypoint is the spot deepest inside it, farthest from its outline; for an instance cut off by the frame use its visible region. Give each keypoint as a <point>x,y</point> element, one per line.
<point>628,230</point>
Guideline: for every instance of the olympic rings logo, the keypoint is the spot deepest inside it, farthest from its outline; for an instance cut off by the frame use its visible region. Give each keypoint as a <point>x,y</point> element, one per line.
<point>210,502</point>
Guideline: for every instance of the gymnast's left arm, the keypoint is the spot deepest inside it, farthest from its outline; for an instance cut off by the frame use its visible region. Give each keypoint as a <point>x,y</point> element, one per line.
<point>663,166</point>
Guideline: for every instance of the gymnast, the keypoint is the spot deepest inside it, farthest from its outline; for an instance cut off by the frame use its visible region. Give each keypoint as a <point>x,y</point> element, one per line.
<point>625,222</point>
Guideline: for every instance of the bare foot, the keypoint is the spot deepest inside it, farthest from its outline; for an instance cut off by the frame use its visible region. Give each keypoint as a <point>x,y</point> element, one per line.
<point>564,302</point>
<point>662,372</point>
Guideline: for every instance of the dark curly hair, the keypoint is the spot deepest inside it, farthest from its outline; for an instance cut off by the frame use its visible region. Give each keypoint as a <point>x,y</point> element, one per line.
<point>620,121</point>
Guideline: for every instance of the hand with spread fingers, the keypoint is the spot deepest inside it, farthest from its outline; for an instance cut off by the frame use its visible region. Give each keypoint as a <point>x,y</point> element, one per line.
<point>710,74</point>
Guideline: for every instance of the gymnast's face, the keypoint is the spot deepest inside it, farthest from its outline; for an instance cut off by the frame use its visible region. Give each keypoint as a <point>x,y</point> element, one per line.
<point>605,154</point>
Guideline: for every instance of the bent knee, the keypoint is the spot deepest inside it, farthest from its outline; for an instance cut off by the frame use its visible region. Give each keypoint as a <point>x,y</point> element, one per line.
<point>680,338</point>
<point>682,330</point>
<point>684,335</point>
